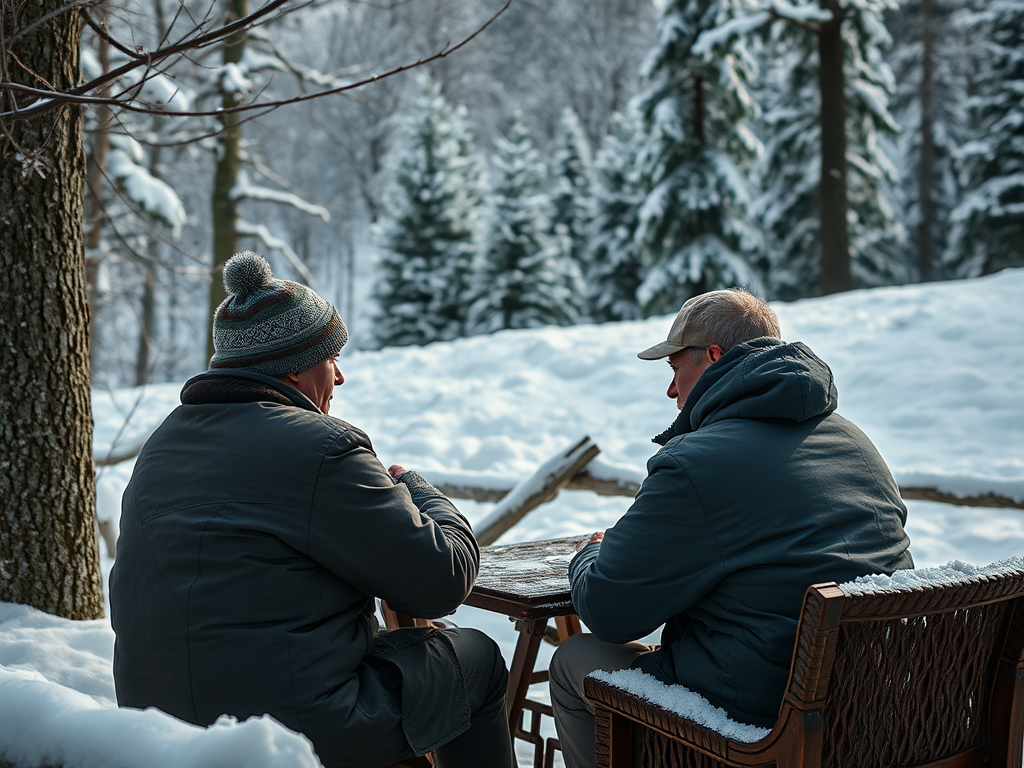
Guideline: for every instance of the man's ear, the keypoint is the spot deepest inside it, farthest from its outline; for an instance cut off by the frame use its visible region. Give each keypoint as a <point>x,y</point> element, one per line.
<point>289,378</point>
<point>715,351</point>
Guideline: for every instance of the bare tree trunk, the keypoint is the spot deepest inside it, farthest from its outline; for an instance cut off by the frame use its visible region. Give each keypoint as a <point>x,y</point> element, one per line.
<point>926,175</point>
<point>225,209</point>
<point>48,547</point>
<point>143,362</point>
<point>97,166</point>
<point>834,232</point>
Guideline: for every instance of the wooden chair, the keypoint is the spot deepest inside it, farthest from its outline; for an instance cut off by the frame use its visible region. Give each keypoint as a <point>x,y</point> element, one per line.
<point>930,676</point>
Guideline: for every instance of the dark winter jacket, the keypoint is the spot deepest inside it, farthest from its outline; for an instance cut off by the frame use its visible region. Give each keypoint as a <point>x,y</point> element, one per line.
<point>759,491</point>
<point>255,533</point>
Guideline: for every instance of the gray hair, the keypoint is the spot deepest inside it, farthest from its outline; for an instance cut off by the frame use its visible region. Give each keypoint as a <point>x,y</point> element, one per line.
<point>732,316</point>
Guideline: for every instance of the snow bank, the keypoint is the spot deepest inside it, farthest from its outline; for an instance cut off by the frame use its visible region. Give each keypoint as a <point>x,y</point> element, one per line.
<point>57,707</point>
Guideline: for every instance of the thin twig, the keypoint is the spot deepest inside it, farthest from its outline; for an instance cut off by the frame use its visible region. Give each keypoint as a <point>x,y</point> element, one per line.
<point>55,100</point>
<point>99,30</point>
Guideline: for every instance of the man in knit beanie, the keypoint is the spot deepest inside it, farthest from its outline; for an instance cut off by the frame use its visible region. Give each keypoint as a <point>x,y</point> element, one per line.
<point>256,532</point>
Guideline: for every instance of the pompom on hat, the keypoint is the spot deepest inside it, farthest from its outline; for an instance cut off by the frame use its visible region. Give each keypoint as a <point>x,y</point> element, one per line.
<point>272,326</point>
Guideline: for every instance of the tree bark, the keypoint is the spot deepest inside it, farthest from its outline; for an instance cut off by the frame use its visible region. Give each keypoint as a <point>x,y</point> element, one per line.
<point>926,175</point>
<point>834,230</point>
<point>225,209</point>
<point>48,548</point>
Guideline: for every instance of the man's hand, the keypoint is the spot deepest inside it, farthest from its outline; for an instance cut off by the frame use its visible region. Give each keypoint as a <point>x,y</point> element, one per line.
<point>599,536</point>
<point>396,471</point>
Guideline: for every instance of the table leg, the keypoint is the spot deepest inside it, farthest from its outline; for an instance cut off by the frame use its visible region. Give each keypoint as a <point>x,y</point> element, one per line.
<point>567,626</point>
<point>521,669</point>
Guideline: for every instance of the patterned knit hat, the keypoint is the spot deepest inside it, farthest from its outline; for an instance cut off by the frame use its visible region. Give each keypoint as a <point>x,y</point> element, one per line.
<point>272,326</point>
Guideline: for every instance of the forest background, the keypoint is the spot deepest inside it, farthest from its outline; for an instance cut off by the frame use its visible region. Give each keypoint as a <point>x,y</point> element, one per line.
<point>542,165</point>
<point>578,161</point>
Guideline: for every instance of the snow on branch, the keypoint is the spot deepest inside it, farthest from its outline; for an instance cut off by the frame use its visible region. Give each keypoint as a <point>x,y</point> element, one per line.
<point>261,233</point>
<point>723,34</point>
<point>803,12</point>
<point>147,192</point>
<point>243,190</point>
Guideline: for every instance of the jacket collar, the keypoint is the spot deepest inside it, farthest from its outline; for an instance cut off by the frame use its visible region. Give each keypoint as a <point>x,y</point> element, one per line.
<point>760,379</point>
<point>235,386</point>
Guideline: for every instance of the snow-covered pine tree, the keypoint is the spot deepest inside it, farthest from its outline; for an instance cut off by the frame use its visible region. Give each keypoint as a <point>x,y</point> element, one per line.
<point>988,225</point>
<point>428,227</point>
<point>789,172</point>
<point>572,181</point>
<point>469,178</point>
<point>790,168</point>
<point>615,269</point>
<point>929,104</point>
<point>694,230</point>
<point>522,280</point>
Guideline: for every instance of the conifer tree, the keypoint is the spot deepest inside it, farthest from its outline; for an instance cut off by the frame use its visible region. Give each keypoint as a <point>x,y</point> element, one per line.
<point>988,225</point>
<point>694,231</point>
<point>523,280</point>
<point>928,103</point>
<point>615,269</point>
<point>790,169</point>
<point>790,172</point>
<point>460,273</point>
<point>573,178</point>
<point>428,230</point>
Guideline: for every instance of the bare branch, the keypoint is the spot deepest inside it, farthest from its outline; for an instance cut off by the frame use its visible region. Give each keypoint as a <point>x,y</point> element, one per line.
<point>100,29</point>
<point>51,100</point>
<point>56,99</point>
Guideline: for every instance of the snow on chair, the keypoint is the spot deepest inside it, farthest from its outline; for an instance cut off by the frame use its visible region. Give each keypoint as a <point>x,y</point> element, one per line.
<point>924,668</point>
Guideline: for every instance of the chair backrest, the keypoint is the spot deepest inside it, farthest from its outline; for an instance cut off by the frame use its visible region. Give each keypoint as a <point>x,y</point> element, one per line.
<point>915,676</point>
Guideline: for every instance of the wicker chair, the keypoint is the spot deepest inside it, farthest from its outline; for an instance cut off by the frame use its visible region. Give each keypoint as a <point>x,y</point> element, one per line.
<point>930,676</point>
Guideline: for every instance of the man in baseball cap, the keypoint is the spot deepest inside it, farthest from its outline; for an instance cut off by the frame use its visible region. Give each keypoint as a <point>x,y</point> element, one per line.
<point>760,490</point>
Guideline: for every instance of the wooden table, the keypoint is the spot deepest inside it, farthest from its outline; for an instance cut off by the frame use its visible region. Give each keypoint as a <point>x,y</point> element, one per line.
<point>528,583</point>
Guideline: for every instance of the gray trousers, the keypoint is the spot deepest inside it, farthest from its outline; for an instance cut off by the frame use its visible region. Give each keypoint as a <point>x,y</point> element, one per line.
<point>574,659</point>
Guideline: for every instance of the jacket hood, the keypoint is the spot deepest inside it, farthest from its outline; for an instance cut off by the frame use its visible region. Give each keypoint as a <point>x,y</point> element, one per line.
<point>235,386</point>
<point>759,379</point>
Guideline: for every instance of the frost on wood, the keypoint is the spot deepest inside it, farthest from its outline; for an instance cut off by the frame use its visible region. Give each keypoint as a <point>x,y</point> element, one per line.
<point>542,486</point>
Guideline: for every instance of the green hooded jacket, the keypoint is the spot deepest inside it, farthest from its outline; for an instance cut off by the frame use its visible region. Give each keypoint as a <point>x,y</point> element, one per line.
<point>760,490</point>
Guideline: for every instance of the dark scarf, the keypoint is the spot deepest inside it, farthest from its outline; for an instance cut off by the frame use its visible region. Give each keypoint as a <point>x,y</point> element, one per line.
<point>209,390</point>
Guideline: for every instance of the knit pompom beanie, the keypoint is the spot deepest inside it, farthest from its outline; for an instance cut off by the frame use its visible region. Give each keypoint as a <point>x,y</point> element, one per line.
<point>269,325</point>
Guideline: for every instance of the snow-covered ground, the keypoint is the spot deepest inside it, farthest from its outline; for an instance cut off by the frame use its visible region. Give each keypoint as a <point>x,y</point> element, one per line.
<point>932,373</point>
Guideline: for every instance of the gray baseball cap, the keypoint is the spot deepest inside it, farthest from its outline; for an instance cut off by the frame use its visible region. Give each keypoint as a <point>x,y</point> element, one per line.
<point>683,333</point>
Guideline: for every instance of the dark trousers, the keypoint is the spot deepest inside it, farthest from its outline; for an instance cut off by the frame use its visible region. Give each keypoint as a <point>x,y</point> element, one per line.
<point>488,741</point>
<point>576,658</point>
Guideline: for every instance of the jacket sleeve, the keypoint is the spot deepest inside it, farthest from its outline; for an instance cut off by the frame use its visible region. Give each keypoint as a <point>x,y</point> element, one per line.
<point>659,559</point>
<point>404,542</point>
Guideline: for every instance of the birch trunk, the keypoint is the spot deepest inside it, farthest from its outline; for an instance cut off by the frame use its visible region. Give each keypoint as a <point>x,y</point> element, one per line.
<point>224,208</point>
